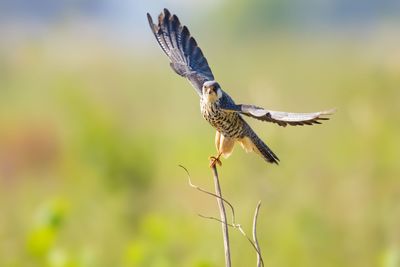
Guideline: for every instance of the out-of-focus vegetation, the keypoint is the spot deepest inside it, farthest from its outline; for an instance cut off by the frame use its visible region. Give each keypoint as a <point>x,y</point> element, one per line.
<point>92,131</point>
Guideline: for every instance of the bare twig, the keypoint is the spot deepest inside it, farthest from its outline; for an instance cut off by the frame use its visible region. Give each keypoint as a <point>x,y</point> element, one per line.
<point>254,244</point>
<point>223,221</point>
<point>257,246</point>
<point>222,213</point>
<point>216,219</point>
<point>209,193</point>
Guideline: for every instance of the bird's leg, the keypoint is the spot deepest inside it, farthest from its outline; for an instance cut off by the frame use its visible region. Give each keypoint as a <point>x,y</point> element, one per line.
<point>214,160</point>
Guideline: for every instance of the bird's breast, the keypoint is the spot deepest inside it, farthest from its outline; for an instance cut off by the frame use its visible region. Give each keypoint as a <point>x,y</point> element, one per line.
<point>230,124</point>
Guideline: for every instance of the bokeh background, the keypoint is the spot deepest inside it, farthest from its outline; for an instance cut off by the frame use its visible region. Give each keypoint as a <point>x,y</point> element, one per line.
<point>93,125</point>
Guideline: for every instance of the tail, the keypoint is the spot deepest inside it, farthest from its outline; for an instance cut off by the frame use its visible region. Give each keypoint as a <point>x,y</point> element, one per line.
<point>258,146</point>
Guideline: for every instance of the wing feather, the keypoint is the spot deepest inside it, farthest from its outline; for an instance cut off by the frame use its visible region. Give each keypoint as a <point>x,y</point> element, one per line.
<point>185,55</point>
<point>284,118</point>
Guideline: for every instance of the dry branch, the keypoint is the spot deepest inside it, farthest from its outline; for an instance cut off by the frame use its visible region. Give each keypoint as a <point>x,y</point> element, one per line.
<point>222,213</point>
<point>223,220</point>
<point>209,193</point>
<point>260,262</point>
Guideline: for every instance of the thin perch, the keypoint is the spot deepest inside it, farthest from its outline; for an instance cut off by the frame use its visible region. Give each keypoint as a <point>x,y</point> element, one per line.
<point>222,213</point>
<point>254,242</point>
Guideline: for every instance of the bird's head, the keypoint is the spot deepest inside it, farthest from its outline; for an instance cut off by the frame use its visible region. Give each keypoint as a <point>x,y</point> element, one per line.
<point>211,91</point>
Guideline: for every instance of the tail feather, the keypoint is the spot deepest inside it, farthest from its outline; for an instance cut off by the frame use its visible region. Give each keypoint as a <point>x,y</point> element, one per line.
<point>263,149</point>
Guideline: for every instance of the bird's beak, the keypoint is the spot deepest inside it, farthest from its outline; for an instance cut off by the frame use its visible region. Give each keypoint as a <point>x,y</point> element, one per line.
<point>208,90</point>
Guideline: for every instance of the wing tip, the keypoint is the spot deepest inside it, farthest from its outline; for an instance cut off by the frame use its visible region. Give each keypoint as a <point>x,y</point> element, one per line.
<point>324,113</point>
<point>329,111</point>
<point>166,11</point>
<point>150,19</point>
<point>165,15</point>
<point>165,18</point>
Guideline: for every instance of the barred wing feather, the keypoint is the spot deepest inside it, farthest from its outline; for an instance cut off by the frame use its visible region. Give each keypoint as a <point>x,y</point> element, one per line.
<point>185,55</point>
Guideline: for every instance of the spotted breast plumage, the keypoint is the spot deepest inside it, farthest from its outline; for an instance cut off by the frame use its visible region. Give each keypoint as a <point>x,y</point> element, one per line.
<point>217,107</point>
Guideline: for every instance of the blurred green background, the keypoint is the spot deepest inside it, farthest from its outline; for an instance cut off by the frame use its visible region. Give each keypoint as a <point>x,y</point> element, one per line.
<point>93,125</point>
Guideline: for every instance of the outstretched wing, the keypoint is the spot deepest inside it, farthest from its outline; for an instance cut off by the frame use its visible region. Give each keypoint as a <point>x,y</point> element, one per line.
<point>185,55</point>
<point>284,118</point>
<point>280,117</point>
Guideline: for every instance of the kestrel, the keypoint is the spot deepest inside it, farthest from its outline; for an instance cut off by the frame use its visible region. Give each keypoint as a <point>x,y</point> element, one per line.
<point>217,107</point>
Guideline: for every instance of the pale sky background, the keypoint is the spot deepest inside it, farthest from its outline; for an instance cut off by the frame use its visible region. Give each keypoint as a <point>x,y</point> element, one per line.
<point>126,15</point>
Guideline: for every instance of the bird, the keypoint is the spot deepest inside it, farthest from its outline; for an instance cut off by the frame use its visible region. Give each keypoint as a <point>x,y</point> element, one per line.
<point>217,107</point>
